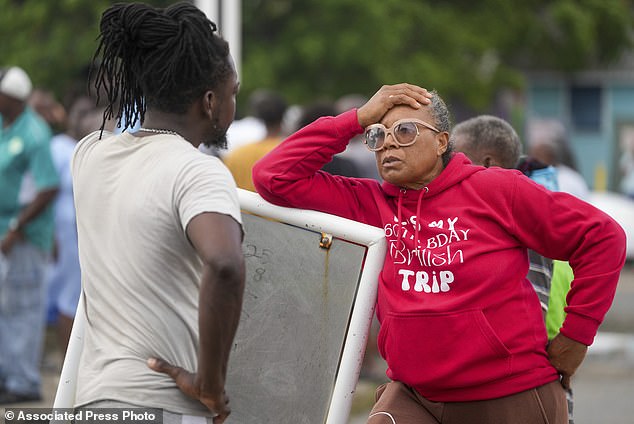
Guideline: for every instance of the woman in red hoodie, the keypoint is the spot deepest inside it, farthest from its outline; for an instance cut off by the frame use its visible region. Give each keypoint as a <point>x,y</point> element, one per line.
<point>461,327</point>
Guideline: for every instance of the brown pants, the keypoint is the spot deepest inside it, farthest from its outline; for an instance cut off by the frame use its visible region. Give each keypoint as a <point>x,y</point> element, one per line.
<point>397,403</point>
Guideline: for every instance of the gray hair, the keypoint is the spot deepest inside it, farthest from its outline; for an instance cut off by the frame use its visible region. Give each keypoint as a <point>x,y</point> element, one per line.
<point>442,121</point>
<point>492,135</point>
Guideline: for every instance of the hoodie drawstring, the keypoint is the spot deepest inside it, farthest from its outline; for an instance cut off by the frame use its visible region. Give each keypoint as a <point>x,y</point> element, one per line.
<point>399,218</point>
<point>418,203</point>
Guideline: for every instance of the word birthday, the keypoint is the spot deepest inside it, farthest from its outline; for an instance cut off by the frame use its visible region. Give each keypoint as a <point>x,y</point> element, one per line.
<point>433,251</point>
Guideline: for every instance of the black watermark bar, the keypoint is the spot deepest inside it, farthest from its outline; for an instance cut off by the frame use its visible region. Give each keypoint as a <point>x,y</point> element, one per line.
<point>82,416</point>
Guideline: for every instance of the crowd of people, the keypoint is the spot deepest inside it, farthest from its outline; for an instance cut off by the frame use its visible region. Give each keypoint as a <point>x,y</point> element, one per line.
<point>486,326</point>
<point>40,278</point>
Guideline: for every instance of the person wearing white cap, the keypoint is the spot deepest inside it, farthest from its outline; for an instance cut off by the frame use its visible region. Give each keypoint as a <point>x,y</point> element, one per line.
<point>28,185</point>
<point>15,83</point>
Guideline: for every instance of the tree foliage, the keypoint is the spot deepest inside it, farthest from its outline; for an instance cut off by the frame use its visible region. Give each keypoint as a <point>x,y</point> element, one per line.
<point>54,40</point>
<point>466,50</point>
<point>312,49</point>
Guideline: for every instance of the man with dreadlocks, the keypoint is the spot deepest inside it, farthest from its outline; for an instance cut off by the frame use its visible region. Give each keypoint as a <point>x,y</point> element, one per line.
<point>159,222</point>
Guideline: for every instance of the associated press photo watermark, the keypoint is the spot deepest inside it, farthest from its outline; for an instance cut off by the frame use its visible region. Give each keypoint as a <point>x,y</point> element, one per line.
<point>83,416</point>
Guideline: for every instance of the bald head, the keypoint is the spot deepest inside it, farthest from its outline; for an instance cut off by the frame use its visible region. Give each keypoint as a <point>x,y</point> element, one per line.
<point>488,141</point>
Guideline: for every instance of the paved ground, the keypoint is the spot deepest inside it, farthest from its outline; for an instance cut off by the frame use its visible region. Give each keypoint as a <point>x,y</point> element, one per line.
<point>604,385</point>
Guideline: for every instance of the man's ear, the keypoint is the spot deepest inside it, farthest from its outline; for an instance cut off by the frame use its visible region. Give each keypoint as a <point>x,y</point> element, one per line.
<point>488,161</point>
<point>209,104</point>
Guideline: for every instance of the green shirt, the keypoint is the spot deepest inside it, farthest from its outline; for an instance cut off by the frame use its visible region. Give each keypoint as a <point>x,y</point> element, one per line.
<point>559,287</point>
<point>26,168</point>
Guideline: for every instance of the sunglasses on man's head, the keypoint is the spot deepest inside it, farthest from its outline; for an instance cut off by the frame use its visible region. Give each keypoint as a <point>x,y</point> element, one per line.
<point>404,132</point>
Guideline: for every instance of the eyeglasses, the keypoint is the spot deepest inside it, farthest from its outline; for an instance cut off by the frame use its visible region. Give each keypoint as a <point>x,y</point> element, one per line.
<point>404,132</point>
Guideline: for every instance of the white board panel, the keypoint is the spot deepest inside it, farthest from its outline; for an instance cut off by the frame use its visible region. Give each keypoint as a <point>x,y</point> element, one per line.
<point>306,315</point>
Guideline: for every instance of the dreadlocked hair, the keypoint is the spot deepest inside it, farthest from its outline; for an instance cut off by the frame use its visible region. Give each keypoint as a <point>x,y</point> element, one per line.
<point>158,58</point>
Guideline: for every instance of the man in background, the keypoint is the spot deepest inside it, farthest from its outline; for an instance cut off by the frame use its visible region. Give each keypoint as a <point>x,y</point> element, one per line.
<point>64,275</point>
<point>28,184</point>
<point>491,141</point>
<point>548,143</point>
<point>269,107</point>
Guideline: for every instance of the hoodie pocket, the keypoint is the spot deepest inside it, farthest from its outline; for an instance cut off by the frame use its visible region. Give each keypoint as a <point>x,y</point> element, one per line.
<point>444,351</point>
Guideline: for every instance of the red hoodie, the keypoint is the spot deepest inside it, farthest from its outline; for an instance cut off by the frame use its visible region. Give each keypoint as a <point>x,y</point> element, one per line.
<point>459,319</point>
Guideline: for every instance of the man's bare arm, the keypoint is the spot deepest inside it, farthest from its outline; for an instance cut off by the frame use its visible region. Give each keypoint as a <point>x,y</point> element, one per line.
<point>218,240</point>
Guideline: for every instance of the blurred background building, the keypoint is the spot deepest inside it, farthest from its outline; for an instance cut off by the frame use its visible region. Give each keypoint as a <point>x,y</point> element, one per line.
<point>597,108</point>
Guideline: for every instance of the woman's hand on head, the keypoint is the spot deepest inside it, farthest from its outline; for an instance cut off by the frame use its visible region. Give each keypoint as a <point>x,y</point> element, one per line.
<point>389,96</point>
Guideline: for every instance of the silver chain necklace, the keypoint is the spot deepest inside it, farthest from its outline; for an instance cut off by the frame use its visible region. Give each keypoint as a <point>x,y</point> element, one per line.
<point>160,131</point>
